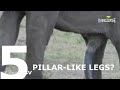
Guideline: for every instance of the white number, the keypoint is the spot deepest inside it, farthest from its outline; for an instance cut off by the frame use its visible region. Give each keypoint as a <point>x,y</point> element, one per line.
<point>21,64</point>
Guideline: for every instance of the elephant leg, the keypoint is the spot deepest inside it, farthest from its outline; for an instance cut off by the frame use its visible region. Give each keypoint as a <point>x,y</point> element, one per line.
<point>114,36</point>
<point>94,54</point>
<point>9,28</point>
<point>97,74</point>
<point>116,42</point>
<point>39,27</point>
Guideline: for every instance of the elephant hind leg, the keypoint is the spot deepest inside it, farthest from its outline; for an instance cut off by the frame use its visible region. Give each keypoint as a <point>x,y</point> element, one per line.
<point>94,54</point>
<point>116,43</point>
<point>98,58</point>
<point>114,36</point>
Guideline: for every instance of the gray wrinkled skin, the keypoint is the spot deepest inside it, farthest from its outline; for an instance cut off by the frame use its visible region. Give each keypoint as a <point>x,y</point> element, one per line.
<point>39,28</point>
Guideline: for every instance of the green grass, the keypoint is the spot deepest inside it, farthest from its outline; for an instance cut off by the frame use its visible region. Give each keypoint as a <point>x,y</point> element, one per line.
<point>64,47</point>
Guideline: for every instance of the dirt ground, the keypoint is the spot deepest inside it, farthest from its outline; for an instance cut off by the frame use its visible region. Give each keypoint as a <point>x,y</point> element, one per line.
<point>67,48</point>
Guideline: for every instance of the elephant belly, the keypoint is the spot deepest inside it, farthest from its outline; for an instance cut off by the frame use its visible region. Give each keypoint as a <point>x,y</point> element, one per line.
<point>83,21</point>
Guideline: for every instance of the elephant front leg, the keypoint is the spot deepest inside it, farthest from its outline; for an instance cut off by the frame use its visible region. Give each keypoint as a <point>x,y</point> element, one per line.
<point>39,30</point>
<point>9,29</point>
<point>94,55</point>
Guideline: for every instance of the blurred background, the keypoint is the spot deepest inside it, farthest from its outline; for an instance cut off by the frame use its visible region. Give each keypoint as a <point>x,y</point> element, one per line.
<point>67,48</point>
<point>1,13</point>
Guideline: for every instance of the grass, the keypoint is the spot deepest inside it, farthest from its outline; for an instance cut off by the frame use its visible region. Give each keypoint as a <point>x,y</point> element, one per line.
<point>67,48</point>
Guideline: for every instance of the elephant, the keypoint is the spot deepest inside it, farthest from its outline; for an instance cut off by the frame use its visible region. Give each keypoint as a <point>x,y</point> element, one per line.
<point>39,28</point>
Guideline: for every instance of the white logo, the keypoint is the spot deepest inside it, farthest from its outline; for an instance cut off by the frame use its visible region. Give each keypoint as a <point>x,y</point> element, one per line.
<point>108,19</point>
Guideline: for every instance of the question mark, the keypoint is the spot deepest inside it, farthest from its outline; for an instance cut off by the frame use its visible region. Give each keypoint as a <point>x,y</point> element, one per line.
<point>112,66</point>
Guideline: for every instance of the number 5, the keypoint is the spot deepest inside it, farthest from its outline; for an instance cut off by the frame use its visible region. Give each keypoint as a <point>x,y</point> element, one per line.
<point>21,64</point>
